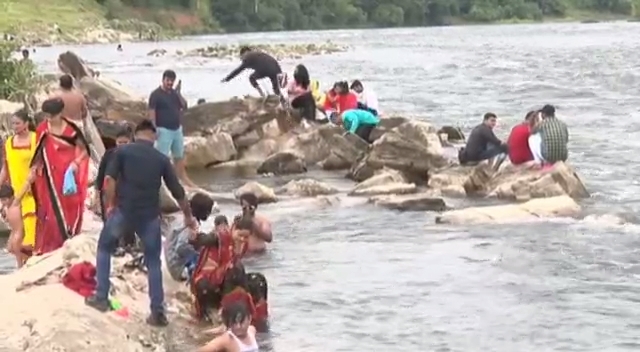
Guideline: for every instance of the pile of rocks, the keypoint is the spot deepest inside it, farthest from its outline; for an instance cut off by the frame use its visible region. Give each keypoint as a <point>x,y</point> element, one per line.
<point>279,51</point>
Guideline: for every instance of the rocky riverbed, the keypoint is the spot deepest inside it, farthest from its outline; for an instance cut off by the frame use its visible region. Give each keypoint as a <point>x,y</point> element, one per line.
<point>279,51</point>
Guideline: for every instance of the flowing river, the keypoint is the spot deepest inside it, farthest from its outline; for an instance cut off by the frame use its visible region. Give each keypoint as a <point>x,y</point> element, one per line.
<point>352,277</point>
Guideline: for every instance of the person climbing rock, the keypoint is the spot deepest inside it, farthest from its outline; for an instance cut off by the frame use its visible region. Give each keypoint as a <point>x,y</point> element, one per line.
<point>263,66</point>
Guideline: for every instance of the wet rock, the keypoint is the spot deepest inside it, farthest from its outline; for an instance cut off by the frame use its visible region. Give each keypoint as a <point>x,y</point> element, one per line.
<point>451,134</point>
<point>425,201</point>
<point>560,206</point>
<point>307,188</point>
<point>334,162</point>
<point>283,163</point>
<point>157,52</point>
<point>202,152</point>
<point>388,188</point>
<point>46,316</point>
<point>509,182</point>
<point>381,178</point>
<point>263,193</point>
<point>413,147</point>
<point>279,51</point>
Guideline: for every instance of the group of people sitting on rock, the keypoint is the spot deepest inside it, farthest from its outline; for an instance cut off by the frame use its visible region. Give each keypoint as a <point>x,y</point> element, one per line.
<point>541,139</point>
<point>351,106</point>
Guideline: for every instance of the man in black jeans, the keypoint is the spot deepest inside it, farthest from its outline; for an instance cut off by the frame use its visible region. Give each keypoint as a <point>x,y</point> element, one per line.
<point>134,176</point>
<point>482,143</point>
<point>263,66</point>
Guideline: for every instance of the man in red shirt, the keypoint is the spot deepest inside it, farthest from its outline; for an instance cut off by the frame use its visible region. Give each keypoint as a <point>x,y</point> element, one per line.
<point>518,142</point>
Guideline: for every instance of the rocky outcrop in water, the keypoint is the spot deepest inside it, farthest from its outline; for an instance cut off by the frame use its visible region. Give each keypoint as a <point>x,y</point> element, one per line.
<point>279,51</point>
<point>44,315</point>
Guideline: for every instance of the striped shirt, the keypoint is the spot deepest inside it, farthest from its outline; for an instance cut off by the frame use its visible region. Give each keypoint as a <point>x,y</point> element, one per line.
<point>555,137</point>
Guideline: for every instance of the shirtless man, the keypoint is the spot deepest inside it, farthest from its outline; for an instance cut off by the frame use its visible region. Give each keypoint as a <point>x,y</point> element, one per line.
<point>75,104</point>
<point>12,214</point>
<point>261,234</point>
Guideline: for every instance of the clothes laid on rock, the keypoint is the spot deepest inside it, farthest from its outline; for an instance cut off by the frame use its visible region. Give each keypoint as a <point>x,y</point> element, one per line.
<point>81,278</point>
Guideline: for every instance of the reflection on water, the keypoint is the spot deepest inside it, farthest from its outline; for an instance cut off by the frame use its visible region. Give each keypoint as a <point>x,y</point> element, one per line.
<point>351,277</point>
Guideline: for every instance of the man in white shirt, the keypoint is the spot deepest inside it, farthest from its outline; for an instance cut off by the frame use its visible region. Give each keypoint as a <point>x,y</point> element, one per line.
<point>367,100</point>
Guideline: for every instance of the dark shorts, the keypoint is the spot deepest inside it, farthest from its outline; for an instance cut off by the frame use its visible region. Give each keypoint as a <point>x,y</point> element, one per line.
<point>364,132</point>
<point>272,76</point>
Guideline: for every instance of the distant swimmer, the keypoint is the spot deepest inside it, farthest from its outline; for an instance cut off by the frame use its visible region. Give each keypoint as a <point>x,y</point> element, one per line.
<point>263,66</point>
<point>119,48</point>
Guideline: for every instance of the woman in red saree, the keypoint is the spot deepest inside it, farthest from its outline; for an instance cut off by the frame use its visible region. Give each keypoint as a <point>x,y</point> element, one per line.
<point>61,145</point>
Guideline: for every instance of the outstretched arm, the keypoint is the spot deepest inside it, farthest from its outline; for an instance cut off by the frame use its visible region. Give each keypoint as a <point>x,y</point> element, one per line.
<point>235,72</point>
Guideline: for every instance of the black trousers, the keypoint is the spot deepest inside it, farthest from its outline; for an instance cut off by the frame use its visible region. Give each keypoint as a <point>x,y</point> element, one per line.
<point>273,77</point>
<point>307,106</point>
<point>364,132</point>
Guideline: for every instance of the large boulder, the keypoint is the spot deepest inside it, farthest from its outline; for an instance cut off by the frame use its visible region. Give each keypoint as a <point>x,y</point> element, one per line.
<point>283,163</point>
<point>307,188</point>
<point>560,206</point>
<point>263,193</point>
<point>202,152</point>
<point>509,182</point>
<point>412,147</point>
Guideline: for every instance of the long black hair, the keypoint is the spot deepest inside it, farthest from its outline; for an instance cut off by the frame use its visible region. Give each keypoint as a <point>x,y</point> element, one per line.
<point>301,76</point>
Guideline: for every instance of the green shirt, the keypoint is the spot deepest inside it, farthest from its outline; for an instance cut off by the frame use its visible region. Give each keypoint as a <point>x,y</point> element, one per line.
<point>555,137</point>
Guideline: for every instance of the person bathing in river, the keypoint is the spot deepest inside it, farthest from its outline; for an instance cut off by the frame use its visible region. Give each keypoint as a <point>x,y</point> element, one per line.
<point>518,142</point>
<point>261,232</point>
<point>482,143</point>
<point>181,250</point>
<point>240,335</point>
<point>19,149</point>
<point>12,215</point>
<point>300,95</point>
<point>263,66</point>
<point>367,99</point>
<point>340,99</point>
<point>358,122</point>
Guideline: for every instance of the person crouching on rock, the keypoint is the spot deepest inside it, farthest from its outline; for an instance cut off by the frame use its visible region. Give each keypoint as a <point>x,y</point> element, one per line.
<point>367,99</point>
<point>240,335</point>
<point>340,98</point>
<point>358,122</point>
<point>300,95</point>
<point>181,248</point>
<point>236,288</point>
<point>260,233</point>
<point>263,66</point>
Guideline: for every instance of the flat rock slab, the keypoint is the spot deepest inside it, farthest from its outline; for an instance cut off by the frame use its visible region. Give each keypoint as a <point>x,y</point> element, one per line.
<point>411,202</point>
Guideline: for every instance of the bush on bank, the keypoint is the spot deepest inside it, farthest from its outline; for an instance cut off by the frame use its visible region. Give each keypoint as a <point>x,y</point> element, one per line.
<point>18,78</point>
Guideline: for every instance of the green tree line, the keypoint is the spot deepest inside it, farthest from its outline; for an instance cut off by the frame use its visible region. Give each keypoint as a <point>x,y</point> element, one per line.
<point>274,15</point>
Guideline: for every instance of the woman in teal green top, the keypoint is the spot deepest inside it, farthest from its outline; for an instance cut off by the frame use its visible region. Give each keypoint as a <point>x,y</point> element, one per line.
<point>358,122</point>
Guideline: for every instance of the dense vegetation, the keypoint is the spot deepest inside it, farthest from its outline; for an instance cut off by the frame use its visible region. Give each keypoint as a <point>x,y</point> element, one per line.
<point>17,77</point>
<point>273,15</point>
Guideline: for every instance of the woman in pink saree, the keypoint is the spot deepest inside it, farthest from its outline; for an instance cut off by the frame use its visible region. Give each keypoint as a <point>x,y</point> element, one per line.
<point>61,146</point>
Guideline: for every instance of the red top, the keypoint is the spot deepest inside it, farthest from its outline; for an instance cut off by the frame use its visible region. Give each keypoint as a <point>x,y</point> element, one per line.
<point>518,143</point>
<point>342,102</point>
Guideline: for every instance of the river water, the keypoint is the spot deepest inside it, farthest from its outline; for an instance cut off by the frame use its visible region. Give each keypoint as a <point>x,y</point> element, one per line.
<point>351,277</point>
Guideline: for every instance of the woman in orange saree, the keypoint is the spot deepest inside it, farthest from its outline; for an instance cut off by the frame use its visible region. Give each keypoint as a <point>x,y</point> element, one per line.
<point>61,145</point>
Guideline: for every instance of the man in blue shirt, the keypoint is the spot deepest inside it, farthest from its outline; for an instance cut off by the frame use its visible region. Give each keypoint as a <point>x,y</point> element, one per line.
<point>134,176</point>
<point>165,110</point>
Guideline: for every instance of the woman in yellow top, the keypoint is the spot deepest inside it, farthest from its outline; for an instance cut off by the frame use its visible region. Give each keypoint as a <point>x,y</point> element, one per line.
<point>18,151</point>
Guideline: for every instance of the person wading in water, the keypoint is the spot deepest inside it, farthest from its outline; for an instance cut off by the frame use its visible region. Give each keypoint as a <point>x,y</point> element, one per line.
<point>261,233</point>
<point>263,66</point>
<point>240,335</point>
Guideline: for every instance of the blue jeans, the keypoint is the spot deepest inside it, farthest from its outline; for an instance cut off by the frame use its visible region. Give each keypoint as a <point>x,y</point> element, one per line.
<point>170,142</point>
<point>150,235</point>
<point>491,151</point>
